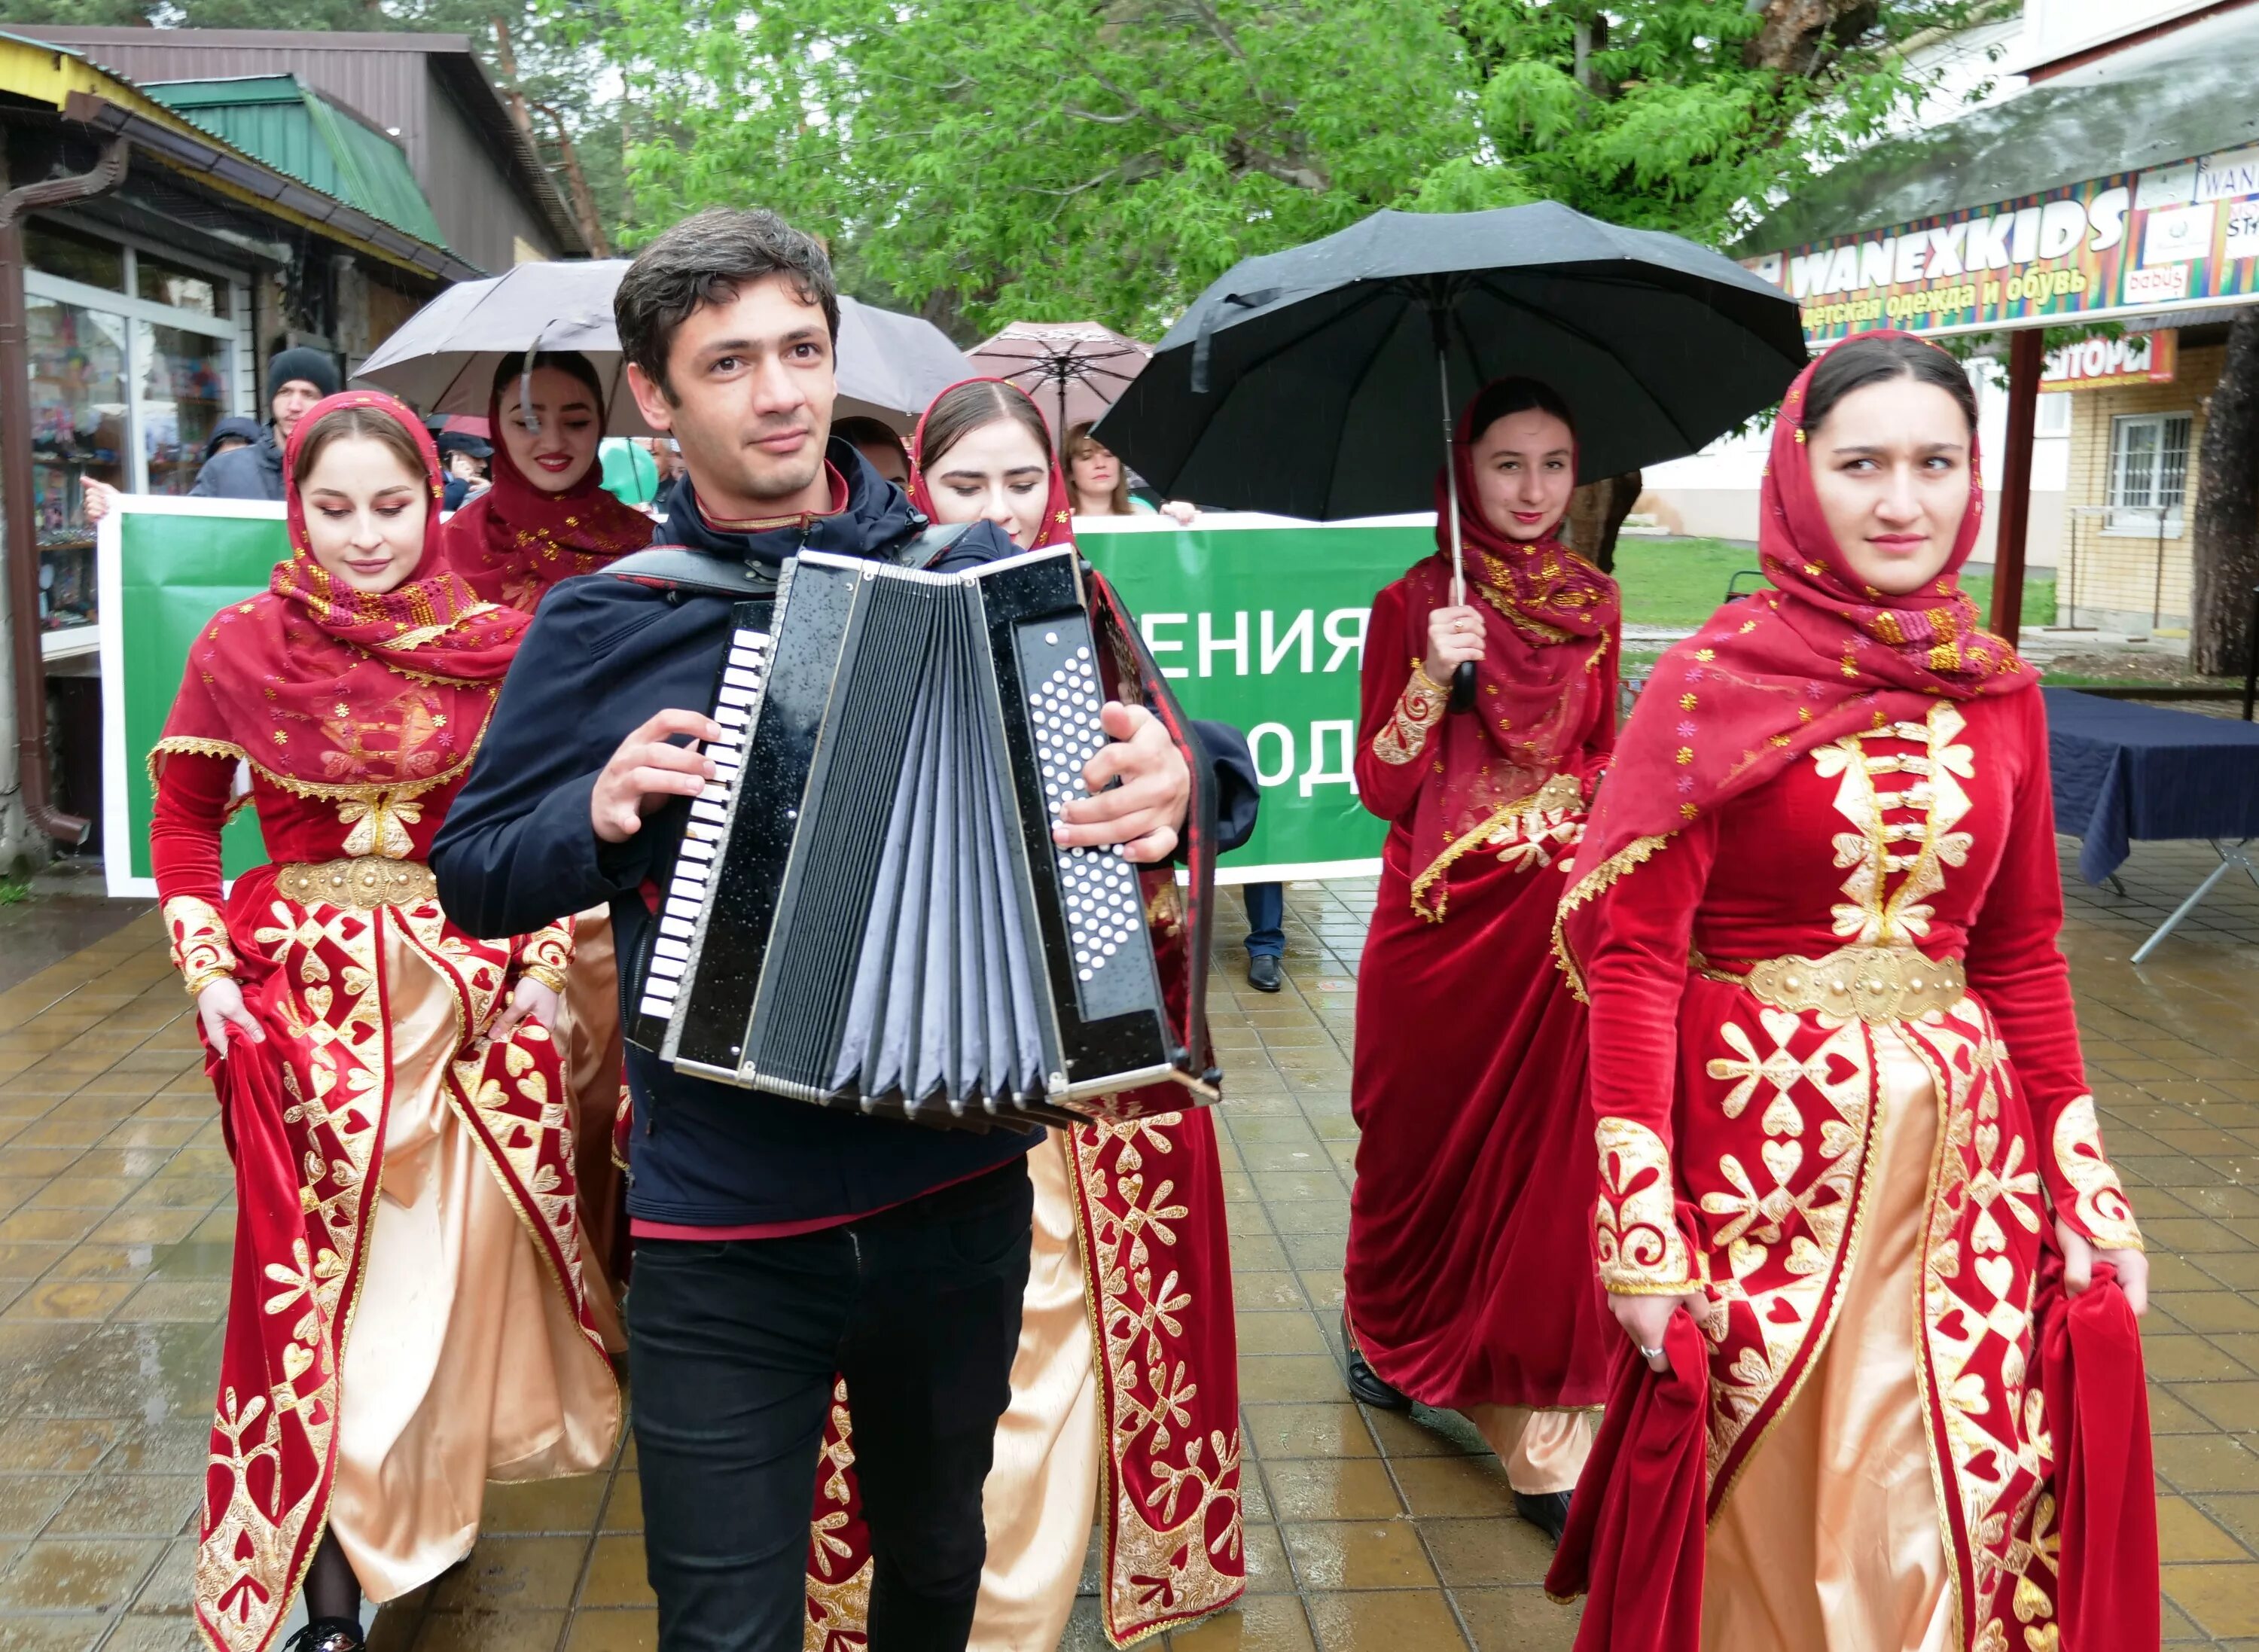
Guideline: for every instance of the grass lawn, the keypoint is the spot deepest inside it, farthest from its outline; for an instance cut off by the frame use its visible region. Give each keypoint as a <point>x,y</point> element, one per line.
<point>1680,582</point>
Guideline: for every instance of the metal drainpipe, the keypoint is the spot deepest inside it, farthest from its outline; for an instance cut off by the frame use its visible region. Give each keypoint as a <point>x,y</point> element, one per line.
<point>23,546</point>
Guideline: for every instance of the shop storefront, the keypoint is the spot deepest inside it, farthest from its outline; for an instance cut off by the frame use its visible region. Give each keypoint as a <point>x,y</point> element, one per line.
<point>2118,194</point>
<point>135,354</point>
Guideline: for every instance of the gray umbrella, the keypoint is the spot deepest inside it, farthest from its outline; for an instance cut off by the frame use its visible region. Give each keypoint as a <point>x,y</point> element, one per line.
<point>444,357</point>
<point>1313,382</point>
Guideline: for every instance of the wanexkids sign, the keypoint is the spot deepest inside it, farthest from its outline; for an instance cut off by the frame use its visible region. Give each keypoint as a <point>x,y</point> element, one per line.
<point>2130,244</point>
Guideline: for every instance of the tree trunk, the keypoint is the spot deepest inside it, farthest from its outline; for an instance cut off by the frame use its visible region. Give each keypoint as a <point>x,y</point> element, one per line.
<point>506,61</point>
<point>576,181</point>
<point>2227,539</point>
<point>576,184</point>
<point>1596,516</point>
<point>1796,33</point>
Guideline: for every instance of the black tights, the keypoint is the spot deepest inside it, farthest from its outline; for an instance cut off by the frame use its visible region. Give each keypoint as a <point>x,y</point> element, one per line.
<point>331,1589</point>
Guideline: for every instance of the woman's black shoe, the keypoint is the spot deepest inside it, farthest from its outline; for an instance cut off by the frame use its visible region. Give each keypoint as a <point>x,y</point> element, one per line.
<point>1364,1381</point>
<point>328,1634</point>
<point>1547,1511</point>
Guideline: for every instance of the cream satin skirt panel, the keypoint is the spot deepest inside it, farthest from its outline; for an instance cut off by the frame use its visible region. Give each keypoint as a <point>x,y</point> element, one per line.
<point>1543,1450</point>
<point>588,1036</point>
<point>1830,1539</point>
<point>463,1363</point>
<point>1041,1490</point>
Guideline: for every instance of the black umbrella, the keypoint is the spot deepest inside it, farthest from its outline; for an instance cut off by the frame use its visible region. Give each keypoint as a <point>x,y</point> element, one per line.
<point>1303,383</point>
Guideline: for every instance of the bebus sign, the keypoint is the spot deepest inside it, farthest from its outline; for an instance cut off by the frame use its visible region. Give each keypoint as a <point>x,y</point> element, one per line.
<point>2130,243</point>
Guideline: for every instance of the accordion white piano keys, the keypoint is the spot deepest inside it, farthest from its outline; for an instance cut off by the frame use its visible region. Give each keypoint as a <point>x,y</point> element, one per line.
<point>743,674</point>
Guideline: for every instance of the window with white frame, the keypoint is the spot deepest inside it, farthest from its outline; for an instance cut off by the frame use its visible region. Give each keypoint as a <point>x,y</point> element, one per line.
<point>135,355</point>
<point>2148,474</point>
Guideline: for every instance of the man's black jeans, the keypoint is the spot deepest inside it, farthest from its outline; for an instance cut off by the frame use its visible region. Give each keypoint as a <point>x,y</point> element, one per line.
<point>733,1347</point>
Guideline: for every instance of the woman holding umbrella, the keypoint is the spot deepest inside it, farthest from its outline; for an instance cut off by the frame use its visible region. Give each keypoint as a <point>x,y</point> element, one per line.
<point>547,517</point>
<point>1469,1284</point>
<point>1855,1219</point>
<point>387,1083</point>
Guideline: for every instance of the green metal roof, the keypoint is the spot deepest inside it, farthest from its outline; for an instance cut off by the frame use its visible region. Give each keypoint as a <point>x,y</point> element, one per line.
<point>293,128</point>
<point>2185,94</point>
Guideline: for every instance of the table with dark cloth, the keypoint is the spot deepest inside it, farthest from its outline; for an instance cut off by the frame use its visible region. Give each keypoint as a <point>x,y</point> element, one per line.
<point>2124,771</point>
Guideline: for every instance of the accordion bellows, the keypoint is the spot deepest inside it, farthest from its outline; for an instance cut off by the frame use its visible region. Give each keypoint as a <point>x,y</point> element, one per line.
<point>877,916</point>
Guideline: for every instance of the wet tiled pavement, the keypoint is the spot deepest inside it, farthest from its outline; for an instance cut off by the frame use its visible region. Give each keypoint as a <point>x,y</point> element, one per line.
<point>1365,1530</point>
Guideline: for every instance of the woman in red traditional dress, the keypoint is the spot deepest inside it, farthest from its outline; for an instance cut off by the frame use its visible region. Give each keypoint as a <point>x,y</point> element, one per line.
<point>546,519</point>
<point>389,1093</point>
<point>1881,1387</point>
<point>1125,1388</point>
<point>1469,1284</point>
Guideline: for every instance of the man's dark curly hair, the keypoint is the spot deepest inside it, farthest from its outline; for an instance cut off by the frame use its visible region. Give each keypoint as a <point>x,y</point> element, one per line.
<point>704,259</point>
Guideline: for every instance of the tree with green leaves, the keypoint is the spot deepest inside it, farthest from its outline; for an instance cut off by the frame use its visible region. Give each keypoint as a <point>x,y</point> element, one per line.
<point>1108,158</point>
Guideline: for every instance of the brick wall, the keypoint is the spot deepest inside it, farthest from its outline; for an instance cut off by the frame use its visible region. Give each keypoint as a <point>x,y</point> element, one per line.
<point>2117,575</point>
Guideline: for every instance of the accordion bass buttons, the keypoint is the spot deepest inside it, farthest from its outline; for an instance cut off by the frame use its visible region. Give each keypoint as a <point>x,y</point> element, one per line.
<point>1105,908</point>
<point>743,673</point>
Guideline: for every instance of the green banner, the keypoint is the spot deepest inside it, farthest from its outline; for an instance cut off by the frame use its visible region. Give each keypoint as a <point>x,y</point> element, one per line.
<point>1261,623</point>
<point>167,566</point>
<point>1256,623</point>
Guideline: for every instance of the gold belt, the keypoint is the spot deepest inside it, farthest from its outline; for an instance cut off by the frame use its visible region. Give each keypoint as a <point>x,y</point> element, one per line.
<point>361,880</point>
<point>1861,983</point>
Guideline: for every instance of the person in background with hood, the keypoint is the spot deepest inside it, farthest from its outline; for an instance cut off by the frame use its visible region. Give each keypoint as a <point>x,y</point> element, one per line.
<point>228,435</point>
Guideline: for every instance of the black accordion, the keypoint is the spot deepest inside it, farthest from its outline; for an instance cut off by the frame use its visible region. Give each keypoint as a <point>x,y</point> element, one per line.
<point>867,910</point>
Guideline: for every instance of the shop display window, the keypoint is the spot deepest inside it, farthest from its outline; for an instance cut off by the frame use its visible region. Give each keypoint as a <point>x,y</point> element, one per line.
<point>184,394</point>
<point>78,364</point>
<point>124,391</point>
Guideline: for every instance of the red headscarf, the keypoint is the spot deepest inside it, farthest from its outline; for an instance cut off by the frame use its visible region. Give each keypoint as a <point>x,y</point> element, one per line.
<point>1769,677</point>
<point>327,690</point>
<point>1562,619</point>
<point>515,541</point>
<point>1058,513</point>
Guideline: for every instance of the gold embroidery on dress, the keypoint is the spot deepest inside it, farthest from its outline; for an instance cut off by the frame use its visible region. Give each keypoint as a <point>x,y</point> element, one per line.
<point>2099,1197</point>
<point>1419,709</point>
<point>1635,1222</point>
<point>1874,915</point>
<point>1159,1550</point>
<point>844,1603</point>
<point>200,946</point>
<point>1631,856</point>
<point>1519,830</point>
<point>379,820</point>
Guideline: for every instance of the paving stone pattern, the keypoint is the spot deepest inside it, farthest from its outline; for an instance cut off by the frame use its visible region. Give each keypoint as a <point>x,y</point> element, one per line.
<point>1365,1530</point>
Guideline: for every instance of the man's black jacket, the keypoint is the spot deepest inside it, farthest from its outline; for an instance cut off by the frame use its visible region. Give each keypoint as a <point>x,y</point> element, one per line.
<point>517,851</point>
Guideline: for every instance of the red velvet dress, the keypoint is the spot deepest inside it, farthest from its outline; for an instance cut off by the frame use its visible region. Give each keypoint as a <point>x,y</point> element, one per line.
<point>399,1174</point>
<point>1470,1278</point>
<point>1860,1166</point>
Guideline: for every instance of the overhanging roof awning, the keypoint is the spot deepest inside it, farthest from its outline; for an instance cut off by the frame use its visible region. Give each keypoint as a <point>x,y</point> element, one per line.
<point>2186,93</point>
<point>81,92</point>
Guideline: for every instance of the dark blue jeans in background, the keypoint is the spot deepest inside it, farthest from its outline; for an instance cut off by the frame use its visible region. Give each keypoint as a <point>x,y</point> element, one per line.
<point>1267,918</point>
<point>733,1346</point>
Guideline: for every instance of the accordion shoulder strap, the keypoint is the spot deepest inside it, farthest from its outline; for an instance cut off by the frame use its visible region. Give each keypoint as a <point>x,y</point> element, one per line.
<point>675,567</point>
